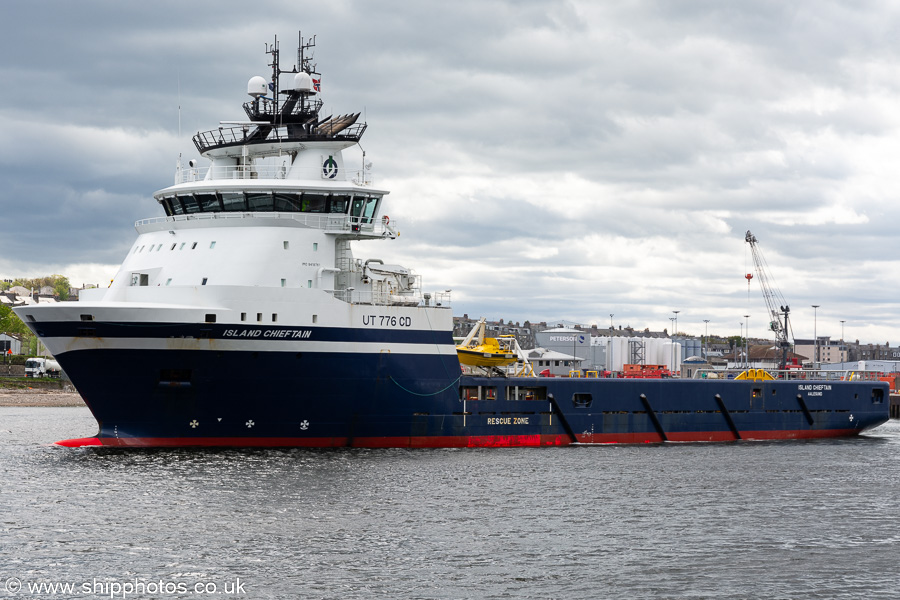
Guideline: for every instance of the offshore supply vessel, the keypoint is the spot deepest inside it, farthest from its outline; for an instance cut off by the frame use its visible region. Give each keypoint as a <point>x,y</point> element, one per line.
<point>244,318</point>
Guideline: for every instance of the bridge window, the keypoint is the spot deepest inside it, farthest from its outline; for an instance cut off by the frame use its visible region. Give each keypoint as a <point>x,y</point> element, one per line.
<point>287,202</point>
<point>208,202</point>
<point>266,201</point>
<point>313,203</point>
<point>260,201</point>
<point>190,204</point>
<point>369,213</point>
<point>338,204</point>
<point>364,208</point>
<point>233,201</point>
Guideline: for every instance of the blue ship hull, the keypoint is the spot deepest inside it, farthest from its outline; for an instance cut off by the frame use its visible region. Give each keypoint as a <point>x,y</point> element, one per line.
<point>209,397</point>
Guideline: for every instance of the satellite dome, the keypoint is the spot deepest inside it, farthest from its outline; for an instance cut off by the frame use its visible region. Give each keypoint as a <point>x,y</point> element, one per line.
<point>257,87</point>
<point>303,83</point>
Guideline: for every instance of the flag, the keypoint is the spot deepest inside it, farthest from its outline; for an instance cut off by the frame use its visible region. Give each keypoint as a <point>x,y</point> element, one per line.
<point>316,85</point>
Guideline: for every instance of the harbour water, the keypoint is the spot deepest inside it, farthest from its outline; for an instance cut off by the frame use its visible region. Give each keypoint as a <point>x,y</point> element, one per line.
<point>811,519</point>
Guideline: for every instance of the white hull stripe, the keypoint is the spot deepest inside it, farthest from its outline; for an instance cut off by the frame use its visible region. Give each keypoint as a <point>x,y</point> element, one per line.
<point>61,345</point>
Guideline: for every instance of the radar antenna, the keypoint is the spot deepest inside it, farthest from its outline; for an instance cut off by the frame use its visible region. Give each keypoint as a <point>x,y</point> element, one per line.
<point>779,310</point>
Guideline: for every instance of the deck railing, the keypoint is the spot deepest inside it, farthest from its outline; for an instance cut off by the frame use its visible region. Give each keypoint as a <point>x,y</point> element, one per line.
<point>352,296</point>
<point>328,222</point>
<point>267,171</point>
<point>793,374</point>
<point>253,134</point>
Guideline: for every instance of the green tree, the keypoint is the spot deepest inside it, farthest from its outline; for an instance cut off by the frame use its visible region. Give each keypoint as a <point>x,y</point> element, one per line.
<point>10,323</point>
<point>61,286</point>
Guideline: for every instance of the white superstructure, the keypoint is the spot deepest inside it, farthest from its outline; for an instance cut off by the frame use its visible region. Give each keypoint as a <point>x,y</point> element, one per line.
<point>263,235</point>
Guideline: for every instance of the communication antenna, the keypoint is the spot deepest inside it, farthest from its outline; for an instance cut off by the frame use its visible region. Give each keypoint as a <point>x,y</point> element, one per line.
<point>178,78</point>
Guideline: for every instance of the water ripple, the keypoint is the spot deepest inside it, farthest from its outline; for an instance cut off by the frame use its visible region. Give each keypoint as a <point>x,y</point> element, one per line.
<point>751,520</point>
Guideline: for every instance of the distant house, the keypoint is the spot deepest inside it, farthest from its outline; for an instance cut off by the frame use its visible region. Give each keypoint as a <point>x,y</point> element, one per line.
<point>762,356</point>
<point>10,342</point>
<point>558,363</point>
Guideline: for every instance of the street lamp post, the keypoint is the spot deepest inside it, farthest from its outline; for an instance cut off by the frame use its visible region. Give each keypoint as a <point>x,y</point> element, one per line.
<point>843,348</point>
<point>672,338</point>
<point>674,332</point>
<point>572,368</point>
<point>815,337</point>
<point>706,351</point>
<point>611,315</point>
<point>741,343</point>
<point>747,342</point>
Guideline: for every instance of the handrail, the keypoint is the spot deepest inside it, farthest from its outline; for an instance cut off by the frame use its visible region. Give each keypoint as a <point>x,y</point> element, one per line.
<point>265,171</point>
<point>352,296</point>
<point>792,374</point>
<point>326,222</point>
<point>234,136</point>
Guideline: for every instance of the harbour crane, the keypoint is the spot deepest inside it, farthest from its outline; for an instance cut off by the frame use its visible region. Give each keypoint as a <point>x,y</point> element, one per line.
<point>779,310</point>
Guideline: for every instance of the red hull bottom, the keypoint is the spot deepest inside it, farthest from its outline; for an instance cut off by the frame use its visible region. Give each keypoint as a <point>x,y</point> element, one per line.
<point>497,441</point>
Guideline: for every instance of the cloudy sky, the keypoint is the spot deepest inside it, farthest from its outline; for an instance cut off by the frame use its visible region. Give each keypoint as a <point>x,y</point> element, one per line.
<point>546,160</point>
